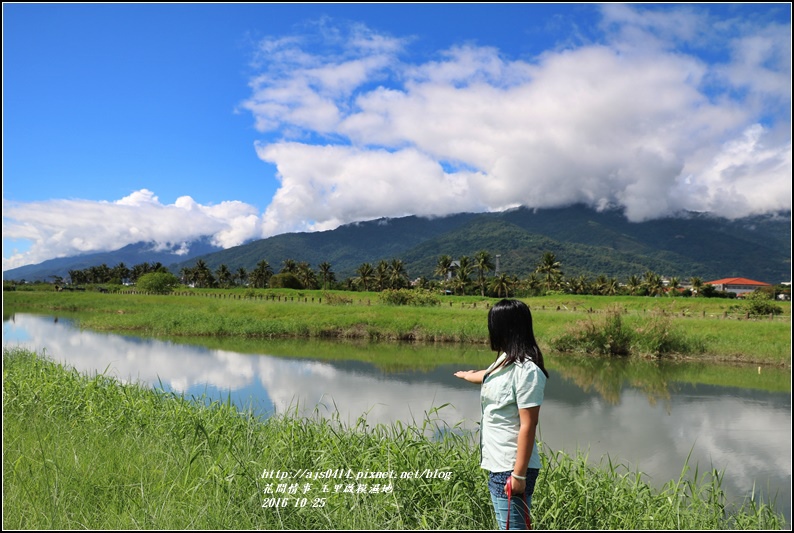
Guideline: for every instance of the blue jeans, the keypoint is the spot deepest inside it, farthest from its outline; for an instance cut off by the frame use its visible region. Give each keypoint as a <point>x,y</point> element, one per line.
<point>519,504</point>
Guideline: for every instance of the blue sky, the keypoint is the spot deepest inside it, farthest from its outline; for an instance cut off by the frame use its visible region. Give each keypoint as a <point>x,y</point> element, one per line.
<point>165,122</point>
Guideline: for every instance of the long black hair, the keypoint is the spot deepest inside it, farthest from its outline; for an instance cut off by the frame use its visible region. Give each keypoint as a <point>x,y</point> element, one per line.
<point>510,331</point>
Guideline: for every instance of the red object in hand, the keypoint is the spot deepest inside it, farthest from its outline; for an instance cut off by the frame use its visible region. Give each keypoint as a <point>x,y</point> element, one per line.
<point>509,491</point>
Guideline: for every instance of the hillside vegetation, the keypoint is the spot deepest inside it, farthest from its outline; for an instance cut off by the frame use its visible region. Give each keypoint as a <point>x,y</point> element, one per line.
<point>585,241</point>
<point>588,243</point>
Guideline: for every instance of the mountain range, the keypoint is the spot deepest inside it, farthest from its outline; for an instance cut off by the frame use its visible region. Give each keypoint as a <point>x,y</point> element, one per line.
<point>585,242</point>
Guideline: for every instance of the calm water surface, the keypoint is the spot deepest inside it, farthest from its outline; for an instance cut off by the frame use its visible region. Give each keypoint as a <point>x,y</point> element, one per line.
<point>647,424</point>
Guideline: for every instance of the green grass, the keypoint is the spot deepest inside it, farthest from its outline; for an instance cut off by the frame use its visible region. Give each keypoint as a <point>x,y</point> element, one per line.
<point>710,330</point>
<point>86,452</point>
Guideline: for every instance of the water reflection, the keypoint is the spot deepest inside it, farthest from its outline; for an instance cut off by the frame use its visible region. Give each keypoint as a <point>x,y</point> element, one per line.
<point>646,416</point>
<point>267,383</point>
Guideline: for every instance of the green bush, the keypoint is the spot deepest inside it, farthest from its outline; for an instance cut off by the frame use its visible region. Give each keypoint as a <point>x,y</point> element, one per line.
<point>336,299</point>
<point>157,282</point>
<point>658,337</point>
<point>285,280</point>
<point>610,336</point>
<point>758,303</point>
<point>605,337</point>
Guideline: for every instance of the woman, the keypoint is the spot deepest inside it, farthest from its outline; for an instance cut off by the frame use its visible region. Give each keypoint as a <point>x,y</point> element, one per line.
<point>511,394</point>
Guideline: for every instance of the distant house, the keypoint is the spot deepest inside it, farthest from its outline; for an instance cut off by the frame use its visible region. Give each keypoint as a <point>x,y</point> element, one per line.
<point>737,285</point>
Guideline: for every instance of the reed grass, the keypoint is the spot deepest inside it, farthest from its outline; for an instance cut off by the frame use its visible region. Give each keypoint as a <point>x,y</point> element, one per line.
<point>613,334</point>
<point>87,452</point>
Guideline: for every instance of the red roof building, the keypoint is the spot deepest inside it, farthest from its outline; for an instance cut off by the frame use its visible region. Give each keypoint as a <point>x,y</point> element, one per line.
<point>737,285</point>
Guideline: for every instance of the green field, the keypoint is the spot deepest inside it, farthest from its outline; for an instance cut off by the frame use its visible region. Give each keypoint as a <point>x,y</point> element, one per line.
<point>708,329</point>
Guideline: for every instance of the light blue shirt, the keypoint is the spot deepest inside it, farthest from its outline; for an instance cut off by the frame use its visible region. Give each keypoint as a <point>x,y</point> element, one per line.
<point>505,391</point>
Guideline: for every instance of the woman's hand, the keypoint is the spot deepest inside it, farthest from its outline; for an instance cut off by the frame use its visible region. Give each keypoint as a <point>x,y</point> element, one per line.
<point>518,486</point>
<point>472,376</point>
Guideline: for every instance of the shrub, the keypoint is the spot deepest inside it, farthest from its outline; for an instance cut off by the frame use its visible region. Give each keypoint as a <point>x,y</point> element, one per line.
<point>157,282</point>
<point>610,336</point>
<point>758,303</point>
<point>285,280</point>
<point>657,337</point>
<point>605,337</point>
<point>336,299</point>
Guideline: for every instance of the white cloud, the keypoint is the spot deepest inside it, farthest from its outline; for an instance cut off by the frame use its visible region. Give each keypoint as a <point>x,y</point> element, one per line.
<point>634,121</point>
<point>323,186</point>
<point>61,228</point>
<point>640,119</point>
<point>759,61</point>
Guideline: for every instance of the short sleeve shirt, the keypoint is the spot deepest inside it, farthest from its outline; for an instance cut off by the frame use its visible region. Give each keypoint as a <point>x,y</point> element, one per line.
<point>504,391</point>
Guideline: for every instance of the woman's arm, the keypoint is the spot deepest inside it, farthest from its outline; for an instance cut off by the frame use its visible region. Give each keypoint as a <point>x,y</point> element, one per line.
<point>528,420</point>
<point>473,376</point>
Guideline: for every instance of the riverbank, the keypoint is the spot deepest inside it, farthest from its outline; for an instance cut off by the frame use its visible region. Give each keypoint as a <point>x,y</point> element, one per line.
<point>86,452</point>
<point>715,329</point>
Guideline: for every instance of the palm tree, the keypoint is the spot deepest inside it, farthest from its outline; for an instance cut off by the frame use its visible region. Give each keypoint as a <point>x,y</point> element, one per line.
<point>674,285</point>
<point>462,280</point>
<point>93,274</point>
<point>634,284</point>
<point>533,283</point>
<point>382,274</point>
<point>306,275</point>
<point>653,283</point>
<point>157,266</point>
<point>550,268</point>
<point>203,274</point>
<point>443,268</point>
<point>121,272</point>
<point>77,277</point>
<point>242,276</point>
<point>483,264</point>
<point>697,285</point>
<point>289,265</point>
<point>261,274</point>
<point>580,285</point>
<point>398,278</point>
<point>501,283</point>
<point>365,273</point>
<point>325,274</point>
<point>600,284</point>
<point>138,270</point>
<point>612,286</point>
<point>224,276</point>
<point>188,275</point>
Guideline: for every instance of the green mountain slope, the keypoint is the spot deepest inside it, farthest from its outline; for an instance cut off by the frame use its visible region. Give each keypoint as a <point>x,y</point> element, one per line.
<point>586,242</point>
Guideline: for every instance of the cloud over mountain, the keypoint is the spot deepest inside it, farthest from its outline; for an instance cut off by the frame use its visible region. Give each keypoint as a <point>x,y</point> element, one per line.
<point>634,120</point>
<point>657,110</point>
<point>61,228</point>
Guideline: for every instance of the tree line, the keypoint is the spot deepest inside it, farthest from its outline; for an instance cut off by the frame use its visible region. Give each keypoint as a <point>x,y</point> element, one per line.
<point>478,274</point>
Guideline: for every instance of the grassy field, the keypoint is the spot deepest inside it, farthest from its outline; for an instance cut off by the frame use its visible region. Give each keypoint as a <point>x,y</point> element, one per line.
<point>86,452</point>
<point>710,329</point>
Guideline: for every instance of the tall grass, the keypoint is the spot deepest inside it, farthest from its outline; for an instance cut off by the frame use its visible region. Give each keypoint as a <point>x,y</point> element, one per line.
<point>86,452</point>
<point>609,496</point>
<point>612,334</point>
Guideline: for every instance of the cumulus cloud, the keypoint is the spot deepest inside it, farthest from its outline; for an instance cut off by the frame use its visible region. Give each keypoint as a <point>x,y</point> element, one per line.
<point>638,121</point>
<point>61,228</point>
<point>641,117</point>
